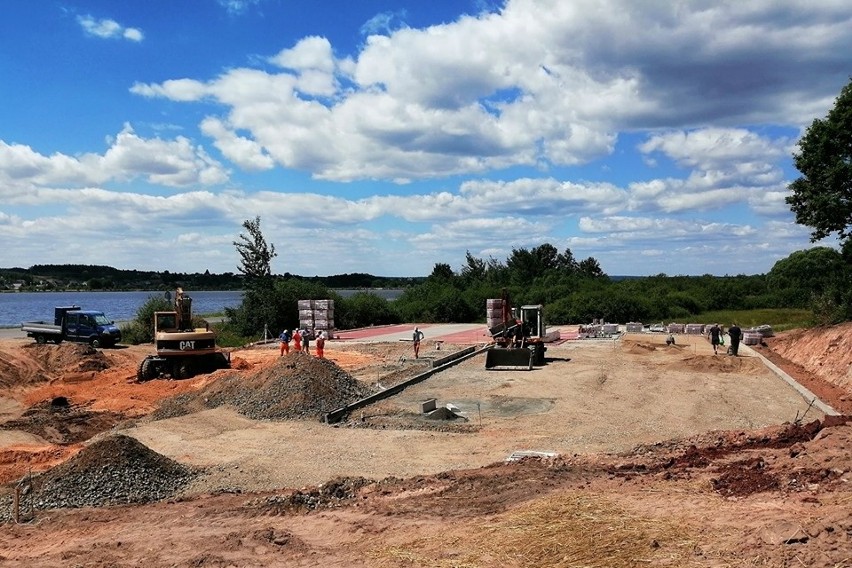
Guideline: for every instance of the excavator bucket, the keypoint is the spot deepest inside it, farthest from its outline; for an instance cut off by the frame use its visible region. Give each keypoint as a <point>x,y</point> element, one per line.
<point>502,358</point>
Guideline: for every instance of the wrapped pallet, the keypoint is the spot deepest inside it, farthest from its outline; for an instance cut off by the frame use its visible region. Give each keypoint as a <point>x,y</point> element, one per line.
<point>752,338</point>
<point>676,328</point>
<point>634,327</point>
<point>695,329</point>
<point>316,315</point>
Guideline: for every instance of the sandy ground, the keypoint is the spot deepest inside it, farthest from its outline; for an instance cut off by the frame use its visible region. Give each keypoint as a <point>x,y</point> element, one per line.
<point>672,456</point>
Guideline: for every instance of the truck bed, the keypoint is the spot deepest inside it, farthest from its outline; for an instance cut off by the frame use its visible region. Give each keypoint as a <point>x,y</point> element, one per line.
<point>41,327</point>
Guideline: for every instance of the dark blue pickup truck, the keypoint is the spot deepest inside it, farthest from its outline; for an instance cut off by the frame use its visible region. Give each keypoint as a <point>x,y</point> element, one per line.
<point>70,323</point>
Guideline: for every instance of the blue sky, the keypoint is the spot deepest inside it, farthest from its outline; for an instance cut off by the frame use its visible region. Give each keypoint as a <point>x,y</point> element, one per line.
<point>384,137</point>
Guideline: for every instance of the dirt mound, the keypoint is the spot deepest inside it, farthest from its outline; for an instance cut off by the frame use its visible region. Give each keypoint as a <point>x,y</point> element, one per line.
<point>721,363</point>
<point>639,347</point>
<point>33,364</point>
<point>59,422</point>
<point>825,352</point>
<point>68,357</point>
<point>294,387</point>
<point>18,461</point>
<point>116,470</point>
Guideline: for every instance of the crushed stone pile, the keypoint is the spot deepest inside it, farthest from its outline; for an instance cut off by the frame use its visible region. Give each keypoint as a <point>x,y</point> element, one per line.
<point>113,471</point>
<point>296,386</point>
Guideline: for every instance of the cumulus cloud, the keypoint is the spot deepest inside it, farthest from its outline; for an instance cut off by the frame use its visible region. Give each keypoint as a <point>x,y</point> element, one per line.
<point>512,87</point>
<point>173,163</point>
<point>109,29</point>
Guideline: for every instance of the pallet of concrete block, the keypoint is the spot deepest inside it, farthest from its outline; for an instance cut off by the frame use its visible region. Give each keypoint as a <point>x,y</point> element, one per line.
<point>763,330</point>
<point>752,338</point>
<point>316,305</point>
<point>609,328</point>
<point>634,327</point>
<point>676,328</point>
<point>695,329</point>
<point>316,314</point>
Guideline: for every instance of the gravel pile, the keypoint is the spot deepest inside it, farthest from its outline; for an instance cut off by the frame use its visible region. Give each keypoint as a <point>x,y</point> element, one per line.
<point>113,471</point>
<point>294,387</point>
<point>327,495</point>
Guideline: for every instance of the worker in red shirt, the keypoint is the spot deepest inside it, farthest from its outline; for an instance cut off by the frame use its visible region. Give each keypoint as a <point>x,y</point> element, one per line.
<point>297,341</point>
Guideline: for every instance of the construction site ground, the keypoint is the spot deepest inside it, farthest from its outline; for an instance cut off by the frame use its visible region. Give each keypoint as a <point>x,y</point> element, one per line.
<point>617,452</point>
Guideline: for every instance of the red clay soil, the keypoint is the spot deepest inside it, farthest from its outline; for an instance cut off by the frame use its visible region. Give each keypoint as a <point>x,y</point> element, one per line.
<point>820,359</point>
<point>778,496</point>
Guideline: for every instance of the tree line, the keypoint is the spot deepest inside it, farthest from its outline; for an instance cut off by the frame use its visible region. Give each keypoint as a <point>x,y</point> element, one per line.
<point>56,277</point>
<point>572,291</point>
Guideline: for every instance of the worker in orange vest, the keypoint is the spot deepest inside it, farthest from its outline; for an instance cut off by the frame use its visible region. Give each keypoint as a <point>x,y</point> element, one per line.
<point>320,341</point>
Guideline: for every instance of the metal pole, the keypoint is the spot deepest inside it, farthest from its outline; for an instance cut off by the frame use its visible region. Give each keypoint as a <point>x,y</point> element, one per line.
<point>16,505</point>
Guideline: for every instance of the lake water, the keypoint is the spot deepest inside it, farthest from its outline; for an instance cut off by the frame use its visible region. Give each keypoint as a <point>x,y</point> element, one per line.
<point>17,307</point>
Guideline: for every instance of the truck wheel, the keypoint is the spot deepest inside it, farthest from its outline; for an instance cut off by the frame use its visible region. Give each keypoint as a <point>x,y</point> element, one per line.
<point>40,339</point>
<point>96,343</point>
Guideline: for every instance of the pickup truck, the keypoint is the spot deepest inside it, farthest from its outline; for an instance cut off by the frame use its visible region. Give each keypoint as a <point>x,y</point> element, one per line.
<point>70,323</point>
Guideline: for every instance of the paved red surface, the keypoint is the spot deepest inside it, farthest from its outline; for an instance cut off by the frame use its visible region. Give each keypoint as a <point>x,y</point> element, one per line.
<point>368,332</point>
<point>470,336</point>
<point>476,335</point>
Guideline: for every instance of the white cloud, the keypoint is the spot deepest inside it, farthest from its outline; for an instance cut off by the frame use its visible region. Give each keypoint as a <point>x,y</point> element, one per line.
<point>517,87</point>
<point>108,29</point>
<point>238,7</point>
<point>173,163</point>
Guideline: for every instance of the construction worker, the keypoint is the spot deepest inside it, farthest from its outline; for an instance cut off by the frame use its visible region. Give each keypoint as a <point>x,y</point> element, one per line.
<point>320,344</point>
<point>284,338</point>
<point>417,338</point>
<point>715,334</point>
<point>297,341</point>
<point>306,341</point>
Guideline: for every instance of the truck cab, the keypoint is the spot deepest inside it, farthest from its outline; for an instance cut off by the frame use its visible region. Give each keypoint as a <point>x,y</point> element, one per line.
<point>87,326</point>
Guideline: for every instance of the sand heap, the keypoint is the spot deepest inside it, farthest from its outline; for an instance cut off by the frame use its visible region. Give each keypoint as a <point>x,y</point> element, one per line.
<point>297,386</point>
<point>35,364</point>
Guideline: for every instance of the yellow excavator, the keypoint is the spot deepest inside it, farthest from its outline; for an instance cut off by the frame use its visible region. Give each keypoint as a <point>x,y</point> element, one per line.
<point>518,339</point>
<point>183,350</point>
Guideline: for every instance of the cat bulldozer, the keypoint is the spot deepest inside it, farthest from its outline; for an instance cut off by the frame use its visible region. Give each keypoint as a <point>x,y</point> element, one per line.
<point>519,339</point>
<point>183,350</point>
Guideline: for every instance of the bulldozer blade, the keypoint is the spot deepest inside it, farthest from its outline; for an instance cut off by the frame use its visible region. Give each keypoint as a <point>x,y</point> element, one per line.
<point>500,358</point>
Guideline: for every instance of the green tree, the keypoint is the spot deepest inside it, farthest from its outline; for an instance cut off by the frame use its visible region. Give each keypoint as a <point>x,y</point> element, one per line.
<point>442,271</point>
<point>255,254</point>
<point>822,197</point>
<point>590,268</point>
<point>258,310</point>
<point>806,274</point>
<point>474,269</point>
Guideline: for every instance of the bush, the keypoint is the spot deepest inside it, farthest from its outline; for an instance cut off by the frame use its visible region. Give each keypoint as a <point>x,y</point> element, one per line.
<point>141,328</point>
<point>363,309</point>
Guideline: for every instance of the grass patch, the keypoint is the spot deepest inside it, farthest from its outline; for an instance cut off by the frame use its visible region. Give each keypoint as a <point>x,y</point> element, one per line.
<point>779,318</point>
<point>568,530</point>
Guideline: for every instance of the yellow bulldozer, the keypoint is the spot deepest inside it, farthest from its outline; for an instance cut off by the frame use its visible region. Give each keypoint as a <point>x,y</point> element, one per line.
<point>183,350</point>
